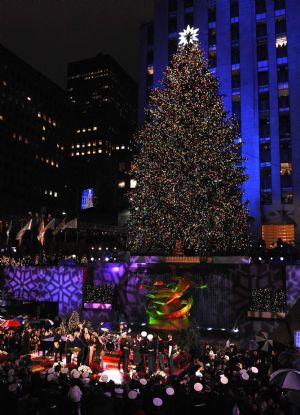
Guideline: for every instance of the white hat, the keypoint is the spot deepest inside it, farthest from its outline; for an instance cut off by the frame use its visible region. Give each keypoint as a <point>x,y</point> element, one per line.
<point>76,374</point>
<point>157,402</point>
<point>254,369</point>
<point>132,394</point>
<point>10,379</point>
<point>51,370</point>
<point>198,387</point>
<point>243,371</point>
<point>50,377</point>
<point>144,334</point>
<point>143,381</point>
<point>150,337</point>
<point>85,374</point>
<point>224,379</point>
<point>245,376</point>
<point>170,391</point>
<point>64,370</point>
<point>119,391</point>
<point>108,394</point>
<point>104,378</point>
<point>12,387</point>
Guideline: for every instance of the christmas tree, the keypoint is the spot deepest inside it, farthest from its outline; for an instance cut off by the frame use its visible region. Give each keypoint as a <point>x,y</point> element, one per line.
<point>187,165</point>
<point>73,321</point>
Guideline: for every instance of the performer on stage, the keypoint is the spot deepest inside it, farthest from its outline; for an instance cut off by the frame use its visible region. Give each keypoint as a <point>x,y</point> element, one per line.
<point>151,353</point>
<point>125,346</point>
<point>161,353</point>
<point>143,352</point>
<point>170,353</point>
<point>57,345</point>
<point>68,347</point>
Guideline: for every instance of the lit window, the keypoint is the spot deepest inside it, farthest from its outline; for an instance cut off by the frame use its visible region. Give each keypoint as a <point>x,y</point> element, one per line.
<point>99,151</point>
<point>47,161</point>
<point>122,147</point>
<point>117,147</point>
<point>285,168</point>
<point>55,194</point>
<point>132,183</point>
<point>89,129</point>
<point>100,142</point>
<point>46,192</point>
<point>121,184</point>
<point>77,154</point>
<point>281,41</point>
<point>44,128</point>
<point>83,130</point>
<point>20,138</point>
<point>72,154</point>
<point>28,98</point>
<point>54,124</point>
<point>43,138</point>
<point>50,192</point>
<point>88,152</point>
<point>150,70</point>
<point>1,118</point>
<point>89,144</point>
<point>83,153</point>
<point>39,115</point>
<point>72,146</point>
<point>78,131</point>
<point>94,151</point>
<point>95,128</point>
<point>82,145</point>
<point>4,83</point>
<point>52,163</point>
<point>49,120</point>
<point>77,145</point>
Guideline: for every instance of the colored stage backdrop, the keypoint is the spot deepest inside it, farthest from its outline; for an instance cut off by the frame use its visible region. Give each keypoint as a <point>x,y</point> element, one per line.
<point>221,294</point>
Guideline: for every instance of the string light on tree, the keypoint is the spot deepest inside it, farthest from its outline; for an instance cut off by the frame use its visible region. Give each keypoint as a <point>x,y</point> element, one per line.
<point>188,165</point>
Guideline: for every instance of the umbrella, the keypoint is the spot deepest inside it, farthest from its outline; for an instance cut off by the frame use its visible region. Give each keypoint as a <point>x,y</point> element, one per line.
<point>10,323</point>
<point>286,379</point>
<point>264,342</point>
<point>248,344</point>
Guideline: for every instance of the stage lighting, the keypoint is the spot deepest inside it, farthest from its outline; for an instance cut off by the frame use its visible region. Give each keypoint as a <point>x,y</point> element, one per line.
<point>106,259</point>
<point>92,258</point>
<point>235,330</point>
<point>281,258</point>
<point>209,328</point>
<point>259,258</point>
<point>223,329</point>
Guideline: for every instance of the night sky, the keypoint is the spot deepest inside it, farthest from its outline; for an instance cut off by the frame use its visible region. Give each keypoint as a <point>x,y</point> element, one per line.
<point>50,33</point>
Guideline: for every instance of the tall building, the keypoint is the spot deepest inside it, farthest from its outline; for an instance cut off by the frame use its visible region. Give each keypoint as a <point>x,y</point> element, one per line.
<point>105,98</point>
<point>253,48</point>
<point>34,132</point>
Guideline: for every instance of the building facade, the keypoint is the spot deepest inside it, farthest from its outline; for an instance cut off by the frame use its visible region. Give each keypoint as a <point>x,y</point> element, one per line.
<point>253,48</point>
<point>105,99</point>
<point>34,130</point>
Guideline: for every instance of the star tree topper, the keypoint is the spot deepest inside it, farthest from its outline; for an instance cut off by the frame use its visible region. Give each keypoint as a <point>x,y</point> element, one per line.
<point>188,36</point>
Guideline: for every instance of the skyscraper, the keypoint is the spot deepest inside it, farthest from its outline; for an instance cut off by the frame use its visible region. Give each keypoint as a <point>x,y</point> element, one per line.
<point>35,123</point>
<point>105,98</point>
<point>253,48</point>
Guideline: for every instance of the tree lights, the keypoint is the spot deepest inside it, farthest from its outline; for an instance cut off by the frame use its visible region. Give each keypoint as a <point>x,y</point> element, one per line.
<point>187,166</point>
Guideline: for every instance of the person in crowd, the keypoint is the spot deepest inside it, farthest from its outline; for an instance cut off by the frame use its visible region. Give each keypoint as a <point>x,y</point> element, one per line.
<point>68,348</point>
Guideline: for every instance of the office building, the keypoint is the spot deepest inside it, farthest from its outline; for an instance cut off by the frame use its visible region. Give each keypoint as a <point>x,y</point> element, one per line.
<point>34,131</point>
<point>105,99</point>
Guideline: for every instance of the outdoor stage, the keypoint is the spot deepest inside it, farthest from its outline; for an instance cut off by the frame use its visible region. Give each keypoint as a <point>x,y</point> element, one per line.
<point>223,294</point>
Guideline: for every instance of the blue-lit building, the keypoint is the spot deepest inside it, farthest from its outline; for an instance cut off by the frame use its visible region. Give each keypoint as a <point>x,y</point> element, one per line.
<point>253,48</point>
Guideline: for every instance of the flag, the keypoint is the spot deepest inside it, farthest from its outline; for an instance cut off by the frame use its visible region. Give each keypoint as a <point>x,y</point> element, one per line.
<point>59,227</point>
<point>43,229</point>
<point>72,224</point>
<point>20,234</point>
<point>8,231</point>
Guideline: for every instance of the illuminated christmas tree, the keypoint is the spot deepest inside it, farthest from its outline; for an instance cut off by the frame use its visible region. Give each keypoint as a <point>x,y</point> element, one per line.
<point>73,321</point>
<point>187,166</point>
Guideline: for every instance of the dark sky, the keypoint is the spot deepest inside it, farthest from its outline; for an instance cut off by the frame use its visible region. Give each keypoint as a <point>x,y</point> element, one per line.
<point>50,33</point>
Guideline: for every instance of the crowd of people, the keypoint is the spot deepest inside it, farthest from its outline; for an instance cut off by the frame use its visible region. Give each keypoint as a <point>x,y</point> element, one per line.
<point>225,380</point>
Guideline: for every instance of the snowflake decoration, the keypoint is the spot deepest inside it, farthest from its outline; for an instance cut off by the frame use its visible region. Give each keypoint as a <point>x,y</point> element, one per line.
<point>188,36</point>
